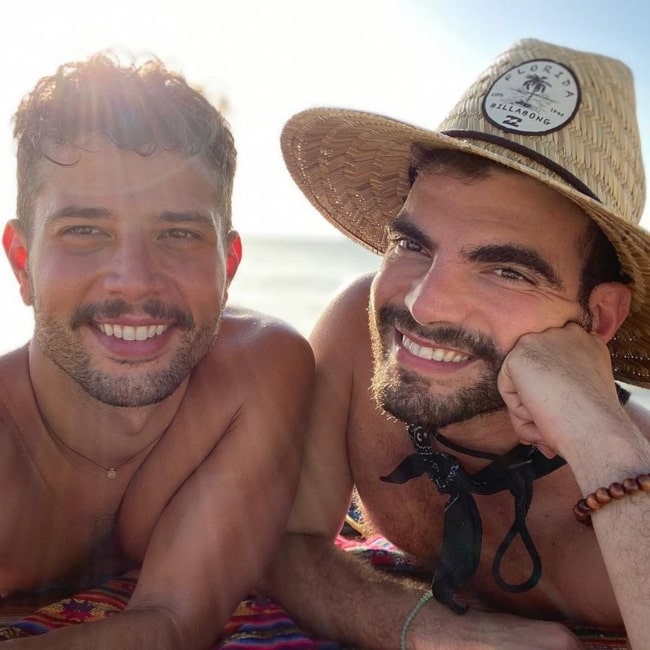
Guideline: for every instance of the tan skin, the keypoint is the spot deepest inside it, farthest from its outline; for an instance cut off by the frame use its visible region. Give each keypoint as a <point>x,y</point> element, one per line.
<point>434,268</point>
<point>206,476</point>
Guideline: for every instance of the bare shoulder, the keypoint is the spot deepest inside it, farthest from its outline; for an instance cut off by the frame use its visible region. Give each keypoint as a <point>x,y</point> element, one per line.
<point>353,300</point>
<point>13,365</point>
<point>241,324</point>
<point>254,355</point>
<point>16,399</point>
<point>251,343</point>
<point>344,322</point>
<point>342,352</point>
<point>18,417</point>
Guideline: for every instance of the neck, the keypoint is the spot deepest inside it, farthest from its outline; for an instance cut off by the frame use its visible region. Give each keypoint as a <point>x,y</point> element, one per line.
<point>491,433</point>
<point>106,434</point>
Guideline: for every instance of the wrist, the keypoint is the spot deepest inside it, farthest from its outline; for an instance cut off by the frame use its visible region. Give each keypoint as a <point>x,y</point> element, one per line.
<point>604,495</point>
<point>616,450</point>
<point>602,437</point>
<point>423,600</point>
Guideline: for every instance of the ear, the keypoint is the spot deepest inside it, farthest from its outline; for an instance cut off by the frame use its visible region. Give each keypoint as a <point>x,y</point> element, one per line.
<point>610,304</point>
<point>234,255</point>
<point>15,244</point>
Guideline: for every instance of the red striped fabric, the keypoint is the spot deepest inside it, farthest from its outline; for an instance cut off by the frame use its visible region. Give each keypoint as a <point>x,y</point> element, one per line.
<point>258,622</point>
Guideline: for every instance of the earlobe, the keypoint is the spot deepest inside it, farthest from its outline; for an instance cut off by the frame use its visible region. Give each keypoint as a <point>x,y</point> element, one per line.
<point>234,255</point>
<point>610,305</point>
<point>15,246</point>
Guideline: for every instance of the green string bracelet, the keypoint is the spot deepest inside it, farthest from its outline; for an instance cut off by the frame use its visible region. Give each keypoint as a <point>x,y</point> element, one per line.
<point>424,599</point>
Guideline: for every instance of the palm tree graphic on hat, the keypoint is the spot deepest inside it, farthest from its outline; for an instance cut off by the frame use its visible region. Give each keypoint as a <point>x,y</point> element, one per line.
<point>534,84</point>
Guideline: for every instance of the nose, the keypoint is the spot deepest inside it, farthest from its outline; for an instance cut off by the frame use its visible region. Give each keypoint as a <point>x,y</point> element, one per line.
<point>440,295</point>
<point>132,273</point>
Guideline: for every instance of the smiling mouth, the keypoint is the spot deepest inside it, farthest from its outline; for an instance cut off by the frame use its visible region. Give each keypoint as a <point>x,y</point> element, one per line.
<point>131,333</point>
<point>432,353</point>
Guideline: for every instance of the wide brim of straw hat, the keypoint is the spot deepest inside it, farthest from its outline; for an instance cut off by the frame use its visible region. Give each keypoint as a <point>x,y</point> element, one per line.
<point>353,167</point>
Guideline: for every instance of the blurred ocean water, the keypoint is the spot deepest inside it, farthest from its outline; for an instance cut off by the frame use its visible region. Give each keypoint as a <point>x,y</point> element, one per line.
<point>295,278</point>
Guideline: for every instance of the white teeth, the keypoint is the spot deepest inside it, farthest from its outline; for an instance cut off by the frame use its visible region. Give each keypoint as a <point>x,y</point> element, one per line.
<point>450,356</point>
<point>417,350</point>
<point>435,354</point>
<point>130,333</point>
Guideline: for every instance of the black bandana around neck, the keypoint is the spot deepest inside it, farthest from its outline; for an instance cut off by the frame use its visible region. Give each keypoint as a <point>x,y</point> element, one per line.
<point>463,529</point>
<point>463,532</point>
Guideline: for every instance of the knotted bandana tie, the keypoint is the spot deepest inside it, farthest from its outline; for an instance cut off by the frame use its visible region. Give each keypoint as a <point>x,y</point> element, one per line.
<point>463,532</point>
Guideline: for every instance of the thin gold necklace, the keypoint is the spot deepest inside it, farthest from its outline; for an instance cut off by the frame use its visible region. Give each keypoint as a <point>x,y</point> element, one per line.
<point>111,472</point>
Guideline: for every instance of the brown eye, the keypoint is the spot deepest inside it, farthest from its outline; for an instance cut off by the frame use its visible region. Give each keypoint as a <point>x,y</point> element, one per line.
<point>179,233</point>
<point>406,244</point>
<point>511,274</point>
<point>81,230</point>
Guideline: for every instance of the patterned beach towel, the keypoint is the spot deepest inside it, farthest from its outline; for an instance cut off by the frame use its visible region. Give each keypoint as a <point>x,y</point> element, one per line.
<point>258,622</point>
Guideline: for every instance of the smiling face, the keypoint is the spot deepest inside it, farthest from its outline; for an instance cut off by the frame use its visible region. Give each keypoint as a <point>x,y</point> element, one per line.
<point>125,268</point>
<point>471,267</point>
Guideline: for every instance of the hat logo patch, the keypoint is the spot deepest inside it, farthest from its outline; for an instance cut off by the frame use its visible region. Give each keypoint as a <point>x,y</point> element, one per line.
<point>533,98</point>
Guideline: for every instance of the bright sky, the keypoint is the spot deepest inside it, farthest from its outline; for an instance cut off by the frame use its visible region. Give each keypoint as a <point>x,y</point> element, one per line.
<point>410,59</point>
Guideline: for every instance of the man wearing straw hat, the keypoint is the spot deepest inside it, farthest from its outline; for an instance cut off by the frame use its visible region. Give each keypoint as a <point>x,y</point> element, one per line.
<point>512,294</point>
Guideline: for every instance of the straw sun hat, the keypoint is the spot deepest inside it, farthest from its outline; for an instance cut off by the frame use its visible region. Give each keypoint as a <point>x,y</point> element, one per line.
<point>564,117</point>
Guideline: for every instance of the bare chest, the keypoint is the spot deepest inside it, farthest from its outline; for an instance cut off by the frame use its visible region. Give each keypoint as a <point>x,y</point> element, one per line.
<point>573,583</point>
<point>57,532</point>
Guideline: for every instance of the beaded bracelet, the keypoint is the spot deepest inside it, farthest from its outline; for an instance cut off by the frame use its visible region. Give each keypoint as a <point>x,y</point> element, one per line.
<point>594,501</point>
<point>424,599</point>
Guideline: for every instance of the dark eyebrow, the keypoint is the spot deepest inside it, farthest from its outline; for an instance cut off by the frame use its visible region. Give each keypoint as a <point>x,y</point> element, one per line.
<point>171,216</point>
<point>500,253</point>
<point>519,255</point>
<point>403,225</point>
<point>84,213</point>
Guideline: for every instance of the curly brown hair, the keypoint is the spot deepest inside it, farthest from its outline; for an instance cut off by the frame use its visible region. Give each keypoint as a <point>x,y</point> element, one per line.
<point>140,108</point>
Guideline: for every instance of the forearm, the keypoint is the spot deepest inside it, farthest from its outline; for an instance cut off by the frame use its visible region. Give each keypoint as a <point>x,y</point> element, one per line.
<point>622,537</point>
<point>618,451</point>
<point>130,630</point>
<point>334,595</point>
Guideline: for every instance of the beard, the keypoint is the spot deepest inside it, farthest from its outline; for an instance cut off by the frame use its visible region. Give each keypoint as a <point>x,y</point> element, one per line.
<point>412,398</point>
<point>63,345</point>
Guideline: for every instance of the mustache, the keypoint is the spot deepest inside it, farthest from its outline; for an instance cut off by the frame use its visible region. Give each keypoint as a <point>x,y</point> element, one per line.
<point>118,307</point>
<point>475,343</point>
